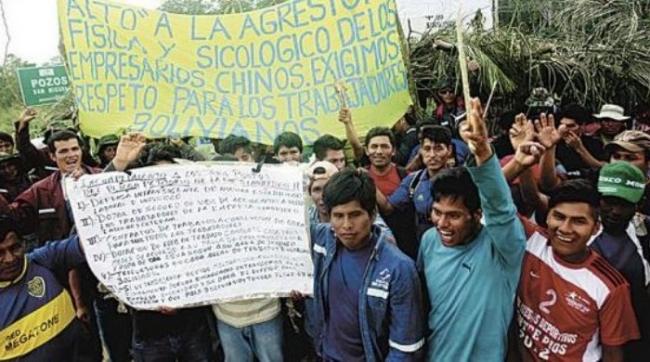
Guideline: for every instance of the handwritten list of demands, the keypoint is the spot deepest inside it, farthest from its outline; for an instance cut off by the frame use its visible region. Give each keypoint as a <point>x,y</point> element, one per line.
<point>184,235</point>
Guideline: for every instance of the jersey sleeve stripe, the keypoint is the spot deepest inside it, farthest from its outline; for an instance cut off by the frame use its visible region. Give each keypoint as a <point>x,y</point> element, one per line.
<point>614,277</point>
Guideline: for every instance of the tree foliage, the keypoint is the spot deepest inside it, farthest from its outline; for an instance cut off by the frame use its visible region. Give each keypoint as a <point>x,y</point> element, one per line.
<point>589,51</point>
<point>203,7</point>
<point>10,99</point>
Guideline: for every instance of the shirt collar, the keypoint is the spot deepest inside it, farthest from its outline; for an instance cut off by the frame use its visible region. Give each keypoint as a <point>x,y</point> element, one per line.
<point>4,285</point>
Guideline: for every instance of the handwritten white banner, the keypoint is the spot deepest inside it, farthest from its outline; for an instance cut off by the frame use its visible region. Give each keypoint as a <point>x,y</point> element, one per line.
<point>183,235</point>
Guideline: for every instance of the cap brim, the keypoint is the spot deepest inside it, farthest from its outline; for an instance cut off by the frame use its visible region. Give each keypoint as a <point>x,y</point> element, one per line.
<point>631,147</point>
<point>611,116</point>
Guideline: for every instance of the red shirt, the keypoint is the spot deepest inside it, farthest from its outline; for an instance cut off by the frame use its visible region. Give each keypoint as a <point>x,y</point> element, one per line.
<point>386,183</point>
<point>567,311</point>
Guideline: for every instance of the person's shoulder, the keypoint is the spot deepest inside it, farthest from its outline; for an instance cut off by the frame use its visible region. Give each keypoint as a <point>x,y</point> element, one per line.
<point>393,257</point>
<point>605,272</point>
<point>48,181</point>
<point>591,140</point>
<point>93,170</point>
<point>429,240</point>
<point>322,233</point>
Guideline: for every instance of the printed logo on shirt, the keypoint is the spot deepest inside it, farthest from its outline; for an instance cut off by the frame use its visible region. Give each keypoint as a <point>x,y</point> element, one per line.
<point>36,287</point>
<point>383,281</point>
<point>420,197</point>
<point>575,301</point>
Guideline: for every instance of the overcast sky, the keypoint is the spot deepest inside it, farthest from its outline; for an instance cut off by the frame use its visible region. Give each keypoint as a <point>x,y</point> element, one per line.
<point>34,31</point>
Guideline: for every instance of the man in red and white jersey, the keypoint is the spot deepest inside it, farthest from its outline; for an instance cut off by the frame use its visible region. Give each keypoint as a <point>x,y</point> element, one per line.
<point>571,304</point>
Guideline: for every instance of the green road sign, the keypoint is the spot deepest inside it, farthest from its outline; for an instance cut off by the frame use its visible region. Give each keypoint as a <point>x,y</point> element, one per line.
<point>43,85</point>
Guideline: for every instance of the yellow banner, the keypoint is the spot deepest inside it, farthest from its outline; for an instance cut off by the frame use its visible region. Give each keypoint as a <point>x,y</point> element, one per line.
<point>37,328</point>
<point>256,74</point>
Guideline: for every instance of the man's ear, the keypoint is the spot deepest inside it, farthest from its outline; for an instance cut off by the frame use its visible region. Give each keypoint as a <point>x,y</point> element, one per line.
<point>477,215</point>
<point>596,229</point>
<point>52,156</point>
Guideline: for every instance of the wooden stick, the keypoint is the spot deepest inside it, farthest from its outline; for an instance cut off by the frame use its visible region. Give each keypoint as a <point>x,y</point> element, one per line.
<point>460,44</point>
<point>342,93</point>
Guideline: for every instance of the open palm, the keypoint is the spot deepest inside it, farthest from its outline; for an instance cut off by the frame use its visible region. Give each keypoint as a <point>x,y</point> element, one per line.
<point>547,134</point>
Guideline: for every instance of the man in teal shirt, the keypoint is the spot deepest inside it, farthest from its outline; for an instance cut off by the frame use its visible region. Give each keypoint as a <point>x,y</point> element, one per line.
<point>472,269</point>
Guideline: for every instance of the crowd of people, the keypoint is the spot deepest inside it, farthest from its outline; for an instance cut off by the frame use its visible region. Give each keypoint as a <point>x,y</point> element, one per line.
<point>431,240</point>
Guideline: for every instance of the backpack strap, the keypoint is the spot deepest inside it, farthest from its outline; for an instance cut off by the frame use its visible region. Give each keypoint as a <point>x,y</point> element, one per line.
<point>415,182</point>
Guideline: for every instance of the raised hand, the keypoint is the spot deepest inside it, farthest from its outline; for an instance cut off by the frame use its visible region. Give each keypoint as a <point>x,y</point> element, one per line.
<point>528,153</point>
<point>345,116</point>
<point>547,134</point>
<point>572,140</point>
<point>128,150</point>
<point>475,133</point>
<point>27,115</point>
<point>522,130</point>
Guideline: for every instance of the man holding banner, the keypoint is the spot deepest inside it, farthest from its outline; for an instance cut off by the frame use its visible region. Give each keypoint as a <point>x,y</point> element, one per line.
<point>165,334</point>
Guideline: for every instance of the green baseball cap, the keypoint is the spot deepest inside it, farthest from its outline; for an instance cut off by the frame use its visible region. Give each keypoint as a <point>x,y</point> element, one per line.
<point>622,179</point>
<point>107,140</point>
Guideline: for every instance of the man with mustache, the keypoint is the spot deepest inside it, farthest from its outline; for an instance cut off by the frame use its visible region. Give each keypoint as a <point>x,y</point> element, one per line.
<point>415,190</point>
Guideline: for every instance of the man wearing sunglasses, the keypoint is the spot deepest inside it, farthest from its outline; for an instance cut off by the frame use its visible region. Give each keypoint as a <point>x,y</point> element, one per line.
<point>450,107</point>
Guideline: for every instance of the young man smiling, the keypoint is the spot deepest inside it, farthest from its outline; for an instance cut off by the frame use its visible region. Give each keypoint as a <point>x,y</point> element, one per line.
<point>380,149</point>
<point>415,190</point>
<point>367,297</point>
<point>471,270</point>
<point>572,305</point>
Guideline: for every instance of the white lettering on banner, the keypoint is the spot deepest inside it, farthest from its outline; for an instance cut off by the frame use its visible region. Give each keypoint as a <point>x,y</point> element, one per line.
<point>182,235</point>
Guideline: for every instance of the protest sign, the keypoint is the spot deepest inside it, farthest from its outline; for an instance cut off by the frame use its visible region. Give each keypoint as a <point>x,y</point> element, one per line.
<point>42,85</point>
<point>182,235</point>
<point>255,74</point>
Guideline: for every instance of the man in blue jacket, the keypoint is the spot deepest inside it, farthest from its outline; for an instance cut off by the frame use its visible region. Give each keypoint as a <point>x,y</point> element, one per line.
<point>471,269</point>
<point>367,297</point>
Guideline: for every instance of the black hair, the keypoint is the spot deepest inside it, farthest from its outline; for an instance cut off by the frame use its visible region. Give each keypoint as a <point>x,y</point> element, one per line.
<point>456,183</point>
<point>436,134</point>
<point>287,139</point>
<point>506,120</point>
<point>576,112</point>
<point>7,225</point>
<point>156,152</point>
<point>575,191</point>
<point>350,185</point>
<point>380,131</point>
<point>62,136</point>
<point>233,142</point>
<point>4,136</point>
<point>425,123</point>
<point>411,117</point>
<point>225,157</point>
<point>324,143</point>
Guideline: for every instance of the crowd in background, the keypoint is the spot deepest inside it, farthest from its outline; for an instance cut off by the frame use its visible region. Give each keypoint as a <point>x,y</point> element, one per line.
<point>431,240</point>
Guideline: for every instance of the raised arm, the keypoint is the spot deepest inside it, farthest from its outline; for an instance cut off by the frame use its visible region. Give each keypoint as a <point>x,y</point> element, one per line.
<point>127,151</point>
<point>345,117</point>
<point>573,141</point>
<point>549,136</point>
<point>31,157</point>
<point>496,201</point>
